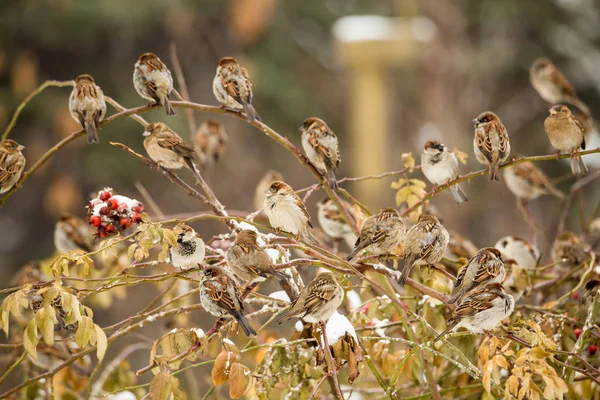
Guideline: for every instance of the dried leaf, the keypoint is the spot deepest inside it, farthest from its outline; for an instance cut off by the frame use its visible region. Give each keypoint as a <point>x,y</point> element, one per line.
<point>408,161</point>
<point>161,386</point>
<point>85,331</point>
<point>178,392</point>
<point>45,320</point>
<point>30,339</point>
<point>461,155</point>
<point>239,380</point>
<point>220,371</point>
<point>101,342</point>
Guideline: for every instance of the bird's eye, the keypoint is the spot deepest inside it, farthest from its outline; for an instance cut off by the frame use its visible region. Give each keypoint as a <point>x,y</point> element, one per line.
<point>504,243</point>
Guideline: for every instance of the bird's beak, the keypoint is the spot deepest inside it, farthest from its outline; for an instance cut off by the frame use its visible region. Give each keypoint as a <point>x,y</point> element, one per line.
<point>267,191</point>
<point>552,111</point>
<point>20,147</point>
<point>475,121</point>
<point>146,133</point>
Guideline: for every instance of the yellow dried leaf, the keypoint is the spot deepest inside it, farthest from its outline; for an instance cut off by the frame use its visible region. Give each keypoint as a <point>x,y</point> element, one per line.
<point>85,331</point>
<point>239,380</point>
<point>461,155</point>
<point>101,342</point>
<point>161,386</point>
<point>223,362</point>
<point>178,392</point>
<point>408,161</point>
<point>30,339</point>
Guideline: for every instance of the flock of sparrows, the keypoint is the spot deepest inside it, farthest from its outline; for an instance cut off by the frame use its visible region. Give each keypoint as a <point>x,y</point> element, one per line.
<point>481,300</point>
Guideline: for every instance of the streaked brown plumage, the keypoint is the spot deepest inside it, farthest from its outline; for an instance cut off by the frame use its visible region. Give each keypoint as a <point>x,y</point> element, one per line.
<point>249,261</point>
<point>153,81</point>
<point>210,142</point>
<point>262,186</point>
<point>491,143</point>
<point>487,266</point>
<point>87,106</point>
<point>321,147</point>
<point>233,89</point>
<point>380,234</point>
<point>73,233</point>
<point>568,249</point>
<point>528,182</point>
<point>566,136</point>
<point>12,164</point>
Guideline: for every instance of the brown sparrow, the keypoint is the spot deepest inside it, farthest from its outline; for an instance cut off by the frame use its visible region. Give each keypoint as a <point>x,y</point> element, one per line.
<point>262,187</point>
<point>380,234</point>
<point>566,135</point>
<point>248,261</point>
<point>153,81</point>
<point>481,310</point>
<point>552,86</point>
<point>233,89</point>
<point>189,251</point>
<point>568,249</point>
<point>321,147</point>
<point>491,144</point>
<point>73,233</point>
<point>317,301</point>
<point>87,106</point>
<point>520,250</point>
<point>219,295</point>
<point>287,212</point>
<point>487,266</point>
<point>210,142</point>
<point>425,244</point>
<point>528,182</point>
<point>168,149</point>
<point>333,223</point>
<point>12,164</point>
<point>440,165</point>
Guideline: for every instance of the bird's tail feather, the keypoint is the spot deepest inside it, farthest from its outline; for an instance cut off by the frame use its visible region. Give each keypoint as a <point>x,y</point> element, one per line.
<point>458,194</point>
<point>578,166</point>
<point>250,112</point>
<point>92,131</point>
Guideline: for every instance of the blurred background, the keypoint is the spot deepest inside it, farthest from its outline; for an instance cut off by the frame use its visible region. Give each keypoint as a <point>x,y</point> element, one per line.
<point>386,75</point>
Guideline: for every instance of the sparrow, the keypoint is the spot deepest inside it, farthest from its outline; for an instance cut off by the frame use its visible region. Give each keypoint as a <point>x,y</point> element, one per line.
<point>12,164</point>
<point>333,223</point>
<point>568,249</point>
<point>233,89</point>
<point>189,251</point>
<point>528,182</point>
<point>87,106</point>
<point>73,233</point>
<point>440,165</point>
<point>317,301</point>
<point>481,310</point>
<point>262,187</point>
<point>516,280</point>
<point>425,243</point>
<point>491,144</point>
<point>210,142</point>
<point>380,234</point>
<point>321,147</point>
<point>169,150</point>
<point>566,135</point>
<point>248,261</point>
<point>220,295</point>
<point>552,86</point>
<point>590,291</point>
<point>520,250</point>
<point>153,81</point>
<point>286,211</point>
<point>487,266</point>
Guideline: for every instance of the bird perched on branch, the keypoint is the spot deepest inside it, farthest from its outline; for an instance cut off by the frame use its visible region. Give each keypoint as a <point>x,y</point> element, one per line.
<point>566,135</point>
<point>73,233</point>
<point>286,211</point>
<point>210,142</point>
<point>87,106</point>
<point>169,150</point>
<point>568,250</point>
<point>481,310</point>
<point>553,86</point>
<point>248,261</point>
<point>233,89</point>
<point>490,144</point>
<point>321,147</point>
<point>333,222</point>
<point>528,182</point>
<point>520,250</point>
<point>153,81</point>
<point>440,165</point>
<point>12,164</point>
<point>220,295</point>
<point>487,266</point>
<point>317,301</point>
<point>425,243</point>
<point>189,251</point>
<point>380,234</point>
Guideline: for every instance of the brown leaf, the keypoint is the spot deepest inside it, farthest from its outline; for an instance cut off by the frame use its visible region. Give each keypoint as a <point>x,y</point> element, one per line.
<point>239,380</point>
<point>85,331</point>
<point>223,362</point>
<point>161,386</point>
<point>178,392</point>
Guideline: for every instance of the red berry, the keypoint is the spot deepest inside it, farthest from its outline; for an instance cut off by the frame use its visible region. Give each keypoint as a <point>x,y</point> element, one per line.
<point>104,210</point>
<point>575,295</point>
<point>109,229</point>
<point>101,234</point>
<point>125,223</point>
<point>112,204</point>
<point>105,195</point>
<point>95,221</point>
<point>136,217</point>
<point>577,332</point>
<point>592,349</point>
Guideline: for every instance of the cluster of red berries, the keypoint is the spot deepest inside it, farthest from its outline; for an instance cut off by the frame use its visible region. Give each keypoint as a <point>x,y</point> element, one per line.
<point>111,213</point>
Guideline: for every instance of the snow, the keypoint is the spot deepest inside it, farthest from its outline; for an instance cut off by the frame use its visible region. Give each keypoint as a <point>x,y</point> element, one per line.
<point>174,330</point>
<point>280,295</point>
<point>199,332</point>
<point>245,225</point>
<point>358,28</point>
<point>299,326</point>
<point>336,327</point>
<point>377,324</point>
<point>353,300</point>
<point>274,254</point>
<point>122,396</point>
<point>225,340</point>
